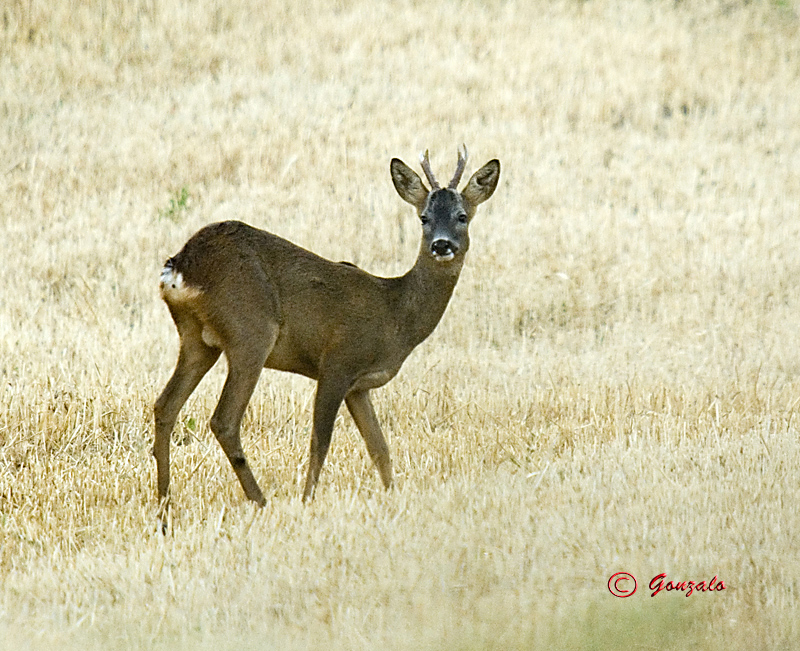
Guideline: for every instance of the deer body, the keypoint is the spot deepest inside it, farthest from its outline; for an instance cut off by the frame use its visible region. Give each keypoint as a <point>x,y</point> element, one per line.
<point>319,306</point>
<point>268,303</point>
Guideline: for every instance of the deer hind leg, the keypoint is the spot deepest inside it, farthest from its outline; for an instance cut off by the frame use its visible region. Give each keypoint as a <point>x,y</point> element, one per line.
<point>331,390</point>
<point>363,413</point>
<point>194,360</point>
<point>245,361</point>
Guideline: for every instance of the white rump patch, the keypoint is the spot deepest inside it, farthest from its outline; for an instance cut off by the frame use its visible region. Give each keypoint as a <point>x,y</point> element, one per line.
<point>173,289</point>
<point>171,278</point>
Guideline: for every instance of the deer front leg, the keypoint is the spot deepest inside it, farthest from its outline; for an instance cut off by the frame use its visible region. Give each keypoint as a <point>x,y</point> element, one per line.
<point>363,413</point>
<point>330,393</point>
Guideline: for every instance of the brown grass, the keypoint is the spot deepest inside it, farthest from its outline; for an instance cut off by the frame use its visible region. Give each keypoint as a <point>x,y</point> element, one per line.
<point>613,388</point>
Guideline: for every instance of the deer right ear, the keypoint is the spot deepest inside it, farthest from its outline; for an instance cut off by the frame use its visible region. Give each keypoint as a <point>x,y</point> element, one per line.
<point>408,184</point>
<point>482,184</point>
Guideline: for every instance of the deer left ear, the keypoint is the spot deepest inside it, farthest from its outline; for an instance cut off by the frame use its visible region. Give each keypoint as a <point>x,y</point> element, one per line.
<point>408,184</point>
<point>482,184</point>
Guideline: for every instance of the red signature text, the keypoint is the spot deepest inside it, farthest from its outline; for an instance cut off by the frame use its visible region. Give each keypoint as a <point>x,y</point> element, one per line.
<point>660,583</point>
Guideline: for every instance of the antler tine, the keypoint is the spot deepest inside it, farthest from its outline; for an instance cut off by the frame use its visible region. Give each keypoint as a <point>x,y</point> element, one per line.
<point>426,167</point>
<point>462,163</point>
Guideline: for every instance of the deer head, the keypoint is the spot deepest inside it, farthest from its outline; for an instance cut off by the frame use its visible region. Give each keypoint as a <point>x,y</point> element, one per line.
<point>445,213</point>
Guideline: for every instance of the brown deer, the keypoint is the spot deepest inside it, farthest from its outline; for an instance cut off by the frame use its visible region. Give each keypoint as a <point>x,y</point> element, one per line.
<point>267,303</point>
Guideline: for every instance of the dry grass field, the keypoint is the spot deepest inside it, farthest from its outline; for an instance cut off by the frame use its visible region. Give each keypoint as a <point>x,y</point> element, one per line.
<point>614,387</point>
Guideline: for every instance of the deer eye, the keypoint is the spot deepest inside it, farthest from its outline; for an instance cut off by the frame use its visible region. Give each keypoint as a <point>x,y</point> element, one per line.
<point>424,219</point>
<point>462,218</point>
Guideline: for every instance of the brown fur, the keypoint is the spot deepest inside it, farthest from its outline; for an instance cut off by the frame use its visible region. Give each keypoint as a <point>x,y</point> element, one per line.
<point>266,302</point>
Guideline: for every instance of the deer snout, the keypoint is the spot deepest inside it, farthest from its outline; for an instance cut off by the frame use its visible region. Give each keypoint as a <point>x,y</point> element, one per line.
<point>444,249</point>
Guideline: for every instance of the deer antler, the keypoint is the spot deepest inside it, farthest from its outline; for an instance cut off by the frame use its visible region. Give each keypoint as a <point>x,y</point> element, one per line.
<point>462,163</point>
<point>426,167</point>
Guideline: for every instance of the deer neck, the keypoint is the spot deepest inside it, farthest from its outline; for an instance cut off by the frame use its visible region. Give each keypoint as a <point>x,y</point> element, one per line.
<point>424,294</point>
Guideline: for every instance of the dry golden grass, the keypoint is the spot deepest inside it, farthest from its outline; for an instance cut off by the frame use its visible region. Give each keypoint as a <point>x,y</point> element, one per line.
<point>613,388</point>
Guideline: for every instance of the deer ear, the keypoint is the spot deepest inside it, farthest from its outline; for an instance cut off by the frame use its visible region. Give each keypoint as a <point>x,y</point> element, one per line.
<point>482,184</point>
<point>408,184</point>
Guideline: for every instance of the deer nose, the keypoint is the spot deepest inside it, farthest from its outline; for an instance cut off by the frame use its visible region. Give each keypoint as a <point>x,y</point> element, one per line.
<point>443,249</point>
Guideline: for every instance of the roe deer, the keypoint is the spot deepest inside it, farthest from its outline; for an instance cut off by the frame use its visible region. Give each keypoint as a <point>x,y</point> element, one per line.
<point>267,303</point>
